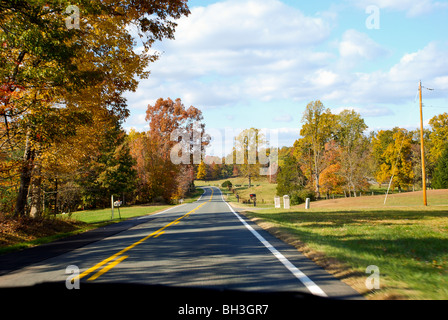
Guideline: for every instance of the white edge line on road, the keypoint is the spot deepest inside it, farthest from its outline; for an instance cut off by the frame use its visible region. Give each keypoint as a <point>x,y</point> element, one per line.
<point>312,287</point>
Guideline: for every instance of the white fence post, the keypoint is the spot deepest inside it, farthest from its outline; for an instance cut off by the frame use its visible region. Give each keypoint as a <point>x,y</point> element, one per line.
<point>286,202</point>
<point>277,202</point>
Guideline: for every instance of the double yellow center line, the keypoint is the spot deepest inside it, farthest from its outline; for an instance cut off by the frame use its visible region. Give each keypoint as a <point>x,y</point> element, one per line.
<point>119,257</point>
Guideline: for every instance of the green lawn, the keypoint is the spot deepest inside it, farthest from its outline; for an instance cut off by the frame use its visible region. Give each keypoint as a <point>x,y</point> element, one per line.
<point>408,242</point>
<point>105,215</point>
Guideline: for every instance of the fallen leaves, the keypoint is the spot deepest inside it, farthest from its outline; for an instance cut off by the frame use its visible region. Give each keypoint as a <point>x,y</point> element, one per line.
<point>15,231</point>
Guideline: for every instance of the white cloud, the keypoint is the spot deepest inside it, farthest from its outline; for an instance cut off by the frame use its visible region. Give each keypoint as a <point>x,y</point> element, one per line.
<point>357,45</point>
<point>236,50</point>
<point>323,78</point>
<point>233,52</point>
<point>399,83</point>
<point>441,82</point>
<point>427,63</point>
<point>241,24</point>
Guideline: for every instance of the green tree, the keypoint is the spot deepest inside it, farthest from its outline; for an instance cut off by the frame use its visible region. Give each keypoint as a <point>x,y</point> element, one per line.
<point>440,179</point>
<point>118,175</point>
<point>438,136</point>
<point>290,178</point>
<point>110,171</point>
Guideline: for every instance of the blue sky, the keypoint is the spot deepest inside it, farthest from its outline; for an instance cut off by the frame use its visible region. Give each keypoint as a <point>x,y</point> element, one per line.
<point>258,63</point>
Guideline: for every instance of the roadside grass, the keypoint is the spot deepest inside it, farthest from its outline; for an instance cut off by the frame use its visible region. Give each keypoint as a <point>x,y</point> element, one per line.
<point>407,241</point>
<point>100,216</point>
<point>194,196</point>
<point>19,234</point>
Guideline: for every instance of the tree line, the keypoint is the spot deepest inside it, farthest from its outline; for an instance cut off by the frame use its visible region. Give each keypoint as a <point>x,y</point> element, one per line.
<point>337,155</point>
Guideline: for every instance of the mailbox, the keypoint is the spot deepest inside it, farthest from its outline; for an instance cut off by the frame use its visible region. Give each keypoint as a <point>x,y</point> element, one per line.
<point>253,196</point>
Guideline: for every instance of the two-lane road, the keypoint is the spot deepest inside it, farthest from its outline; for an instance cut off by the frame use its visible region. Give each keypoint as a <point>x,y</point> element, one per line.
<point>204,244</point>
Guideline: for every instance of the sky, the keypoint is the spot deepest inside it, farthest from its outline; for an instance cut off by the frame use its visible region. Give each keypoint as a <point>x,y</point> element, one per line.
<point>258,63</point>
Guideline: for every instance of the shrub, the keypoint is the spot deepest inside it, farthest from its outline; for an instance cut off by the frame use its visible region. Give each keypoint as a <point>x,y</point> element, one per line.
<point>440,179</point>
<point>300,196</point>
<point>227,184</point>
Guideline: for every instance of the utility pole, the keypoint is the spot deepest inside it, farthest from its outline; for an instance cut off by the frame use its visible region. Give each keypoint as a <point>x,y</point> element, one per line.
<point>425,201</point>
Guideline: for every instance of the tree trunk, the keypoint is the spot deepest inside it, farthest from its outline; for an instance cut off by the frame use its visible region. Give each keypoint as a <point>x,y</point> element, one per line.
<point>317,186</point>
<point>36,191</point>
<point>25,178</point>
<point>56,197</point>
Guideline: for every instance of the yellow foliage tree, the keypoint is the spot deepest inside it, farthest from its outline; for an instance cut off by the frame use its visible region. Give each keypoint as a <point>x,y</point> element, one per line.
<point>202,171</point>
<point>397,160</point>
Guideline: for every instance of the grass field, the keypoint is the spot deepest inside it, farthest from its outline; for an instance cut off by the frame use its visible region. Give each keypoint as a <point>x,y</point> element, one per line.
<point>407,241</point>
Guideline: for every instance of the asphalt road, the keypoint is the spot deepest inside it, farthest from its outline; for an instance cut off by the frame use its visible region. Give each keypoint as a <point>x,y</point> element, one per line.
<point>205,244</point>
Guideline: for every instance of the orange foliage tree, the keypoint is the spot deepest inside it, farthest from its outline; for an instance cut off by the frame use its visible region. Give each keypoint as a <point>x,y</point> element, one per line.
<point>159,177</point>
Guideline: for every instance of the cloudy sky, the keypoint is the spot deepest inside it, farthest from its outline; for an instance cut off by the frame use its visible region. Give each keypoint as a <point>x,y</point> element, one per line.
<point>258,63</point>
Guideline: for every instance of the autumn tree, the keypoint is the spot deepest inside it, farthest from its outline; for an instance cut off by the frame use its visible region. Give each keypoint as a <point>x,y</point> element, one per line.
<point>139,148</point>
<point>70,156</point>
<point>380,142</point>
<point>171,124</point>
<point>331,179</point>
<point>48,66</point>
<point>215,171</point>
<point>318,128</point>
<point>247,146</point>
<point>354,151</point>
<point>202,171</point>
<point>396,164</point>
